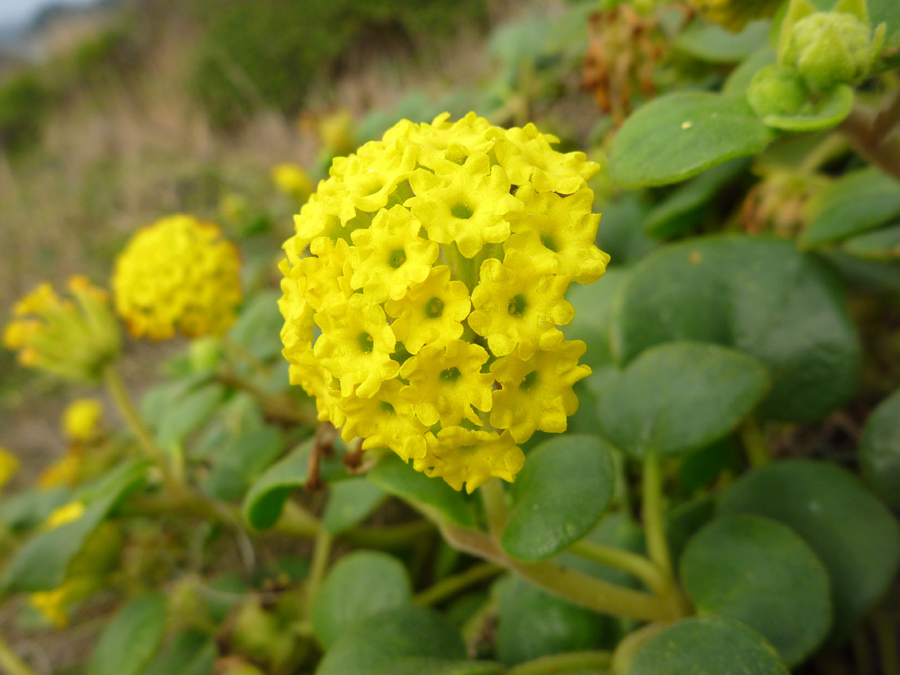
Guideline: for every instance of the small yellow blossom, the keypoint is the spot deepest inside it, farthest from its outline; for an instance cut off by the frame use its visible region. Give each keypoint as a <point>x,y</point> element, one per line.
<point>75,340</point>
<point>81,419</point>
<point>178,274</point>
<point>9,466</point>
<point>64,514</point>
<point>52,605</point>
<point>293,181</point>
<point>424,290</point>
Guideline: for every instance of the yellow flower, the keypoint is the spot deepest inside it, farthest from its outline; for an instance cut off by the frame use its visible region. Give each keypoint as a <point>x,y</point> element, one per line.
<point>293,181</point>
<point>178,274</point>
<point>64,514</point>
<point>52,605</point>
<point>81,418</point>
<point>9,466</point>
<point>425,285</point>
<point>65,471</point>
<point>75,340</point>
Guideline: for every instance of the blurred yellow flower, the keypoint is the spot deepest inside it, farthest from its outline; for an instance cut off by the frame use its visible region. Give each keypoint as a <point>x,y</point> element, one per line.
<point>52,605</point>
<point>81,419</point>
<point>64,514</point>
<point>9,466</point>
<point>75,340</point>
<point>178,274</point>
<point>423,292</point>
<point>292,180</point>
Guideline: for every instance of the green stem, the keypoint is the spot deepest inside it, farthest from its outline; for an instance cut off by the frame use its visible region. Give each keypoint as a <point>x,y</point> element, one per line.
<point>564,663</point>
<point>494,499</point>
<point>274,407</point>
<point>447,588</point>
<point>636,565</point>
<point>321,556</point>
<point>754,442</point>
<point>390,536</point>
<point>10,663</point>
<point>581,589</point>
<point>654,521</point>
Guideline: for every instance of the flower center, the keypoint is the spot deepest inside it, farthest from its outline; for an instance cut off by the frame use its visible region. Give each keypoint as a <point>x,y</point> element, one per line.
<point>450,375</point>
<point>434,308</point>
<point>397,258</point>
<point>517,306</point>
<point>529,381</point>
<point>366,343</point>
<point>461,211</point>
<point>548,242</point>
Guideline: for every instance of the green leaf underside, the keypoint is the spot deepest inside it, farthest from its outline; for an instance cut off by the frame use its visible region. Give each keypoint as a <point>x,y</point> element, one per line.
<point>707,646</point>
<point>350,502</point>
<point>709,42</point>
<point>879,449</point>
<point>405,641</point>
<point>761,573</point>
<point>677,136</point>
<point>532,623</point>
<point>755,294</point>
<point>359,585</point>
<point>680,396</point>
<point>396,477</point>
<point>131,639</point>
<point>560,494</point>
<point>825,114</point>
<point>855,203</point>
<point>41,563</point>
<point>851,532</point>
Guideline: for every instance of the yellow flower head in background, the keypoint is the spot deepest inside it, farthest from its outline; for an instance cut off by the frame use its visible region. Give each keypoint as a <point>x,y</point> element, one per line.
<point>178,274</point>
<point>62,515</point>
<point>73,339</point>
<point>424,288</point>
<point>293,181</point>
<point>9,465</point>
<point>81,419</point>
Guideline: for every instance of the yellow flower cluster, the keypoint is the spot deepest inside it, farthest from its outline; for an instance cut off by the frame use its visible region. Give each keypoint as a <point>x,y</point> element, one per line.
<point>424,288</point>
<point>81,419</point>
<point>71,339</point>
<point>178,274</point>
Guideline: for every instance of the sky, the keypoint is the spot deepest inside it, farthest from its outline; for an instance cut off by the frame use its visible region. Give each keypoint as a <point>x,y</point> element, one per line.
<point>18,13</point>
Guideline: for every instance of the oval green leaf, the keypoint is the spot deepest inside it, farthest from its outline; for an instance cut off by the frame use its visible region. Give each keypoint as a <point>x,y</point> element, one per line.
<point>433,497</point>
<point>761,573</point>
<point>404,641</point>
<point>131,639</point>
<point>532,623</point>
<point>359,585</point>
<point>824,114</point>
<point>678,397</point>
<point>853,204</point>
<point>707,646</point>
<point>677,136</point>
<point>755,294</point>
<point>879,449</point>
<point>560,494</point>
<point>851,532</point>
<point>712,43</point>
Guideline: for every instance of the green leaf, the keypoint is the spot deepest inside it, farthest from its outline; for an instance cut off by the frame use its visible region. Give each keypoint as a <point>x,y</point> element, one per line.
<point>755,294</point>
<point>709,42</point>
<point>761,573</point>
<point>620,233</point>
<point>851,532</point>
<point>707,646</point>
<point>681,211</point>
<point>131,639</point>
<point>259,326</point>
<point>698,469</point>
<point>350,502</point>
<point>823,114</point>
<point>616,530</point>
<point>740,77</point>
<point>856,202</point>
<point>30,508</point>
<point>592,322</point>
<point>677,397</point>
<point>187,413</point>
<point>879,449</point>
<point>680,135</point>
<point>532,623</point>
<point>404,641</point>
<point>560,493</point>
<point>428,495</point>
<point>888,12</point>
<point>359,585</point>
<point>191,653</point>
<point>41,564</point>
<point>883,244</point>
<point>241,460</point>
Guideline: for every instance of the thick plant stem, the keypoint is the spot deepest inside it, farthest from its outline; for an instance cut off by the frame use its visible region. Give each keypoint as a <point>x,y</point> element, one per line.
<point>494,506</point>
<point>754,442</point>
<point>564,663</point>
<point>10,663</point>
<point>636,565</point>
<point>654,522</point>
<point>447,588</point>
<point>120,397</point>
<point>580,589</point>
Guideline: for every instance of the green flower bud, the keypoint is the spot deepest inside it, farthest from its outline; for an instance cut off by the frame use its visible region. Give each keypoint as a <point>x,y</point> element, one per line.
<point>776,90</point>
<point>832,48</point>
